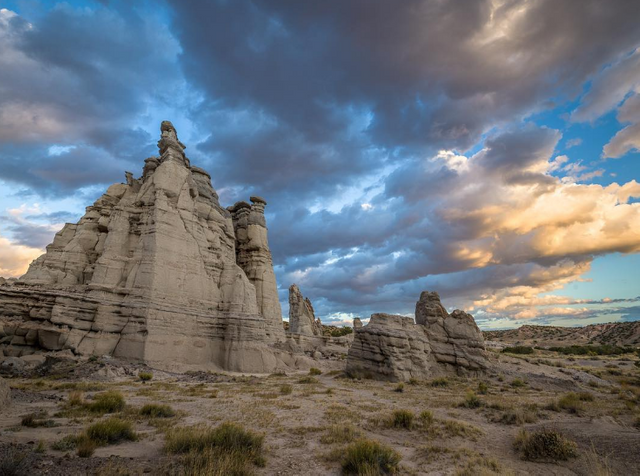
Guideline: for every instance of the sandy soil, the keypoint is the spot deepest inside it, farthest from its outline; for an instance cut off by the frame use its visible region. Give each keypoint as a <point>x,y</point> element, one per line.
<point>460,439</point>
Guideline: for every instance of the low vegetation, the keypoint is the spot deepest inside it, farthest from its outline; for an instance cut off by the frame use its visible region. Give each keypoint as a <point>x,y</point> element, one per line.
<point>111,431</point>
<point>604,349</point>
<point>37,420</point>
<point>315,371</point>
<point>145,376</point>
<point>402,419</point>
<point>107,402</point>
<point>471,400</point>
<point>339,434</point>
<point>154,410</point>
<point>518,349</point>
<point>227,449</point>
<point>369,457</point>
<point>544,445</point>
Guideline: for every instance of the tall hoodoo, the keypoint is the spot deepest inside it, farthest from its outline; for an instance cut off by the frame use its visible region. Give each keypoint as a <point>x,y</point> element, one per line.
<point>254,257</point>
<point>154,270</point>
<point>302,318</point>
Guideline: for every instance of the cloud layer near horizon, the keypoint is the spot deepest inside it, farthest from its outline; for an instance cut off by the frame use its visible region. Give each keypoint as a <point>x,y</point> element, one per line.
<point>393,141</point>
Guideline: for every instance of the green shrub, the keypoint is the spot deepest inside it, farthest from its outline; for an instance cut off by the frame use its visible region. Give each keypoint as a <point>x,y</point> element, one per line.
<point>339,434</point>
<point>402,419</point>
<point>518,383</point>
<point>544,445</point>
<point>471,400</point>
<point>413,381</point>
<point>226,449</point>
<point>585,396</point>
<point>368,457</point>
<point>439,382</point>
<point>286,389</point>
<point>399,388</point>
<point>67,443</point>
<point>571,402</point>
<point>145,376</point>
<point>14,462</point>
<point>107,402</point>
<point>85,447</point>
<point>40,447</point>
<point>110,431</point>
<point>426,418</point>
<point>315,371</point>
<point>604,349</point>
<point>154,410</point>
<point>518,349</point>
<point>307,380</point>
<point>37,420</point>
<point>483,388</point>
<point>341,331</point>
<point>520,416</point>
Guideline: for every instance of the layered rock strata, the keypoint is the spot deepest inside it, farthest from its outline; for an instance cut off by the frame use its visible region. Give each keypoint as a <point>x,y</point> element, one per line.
<point>396,348</point>
<point>391,348</point>
<point>302,318</point>
<point>456,341</point>
<point>156,270</point>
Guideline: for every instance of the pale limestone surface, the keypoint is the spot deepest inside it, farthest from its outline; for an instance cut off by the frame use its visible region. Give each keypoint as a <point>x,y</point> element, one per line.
<point>390,348</point>
<point>396,348</point>
<point>155,270</point>
<point>302,318</point>
<point>456,341</point>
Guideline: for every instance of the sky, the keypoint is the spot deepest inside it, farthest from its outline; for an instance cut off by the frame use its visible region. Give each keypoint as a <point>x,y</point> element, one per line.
<point>484,149</point>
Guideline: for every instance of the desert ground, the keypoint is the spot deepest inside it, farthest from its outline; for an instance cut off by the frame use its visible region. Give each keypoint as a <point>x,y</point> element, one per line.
<point>306,423</point>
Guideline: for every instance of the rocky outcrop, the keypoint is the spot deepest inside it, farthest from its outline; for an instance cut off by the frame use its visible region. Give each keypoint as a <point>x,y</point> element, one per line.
<point>254,257</point>
<point>455,339</point>
<point>396,348</point>
<point>390,348</point>
<point>156,270</point>
<point>5,394</point>
<point>302,319</point>
<point>357,323</point>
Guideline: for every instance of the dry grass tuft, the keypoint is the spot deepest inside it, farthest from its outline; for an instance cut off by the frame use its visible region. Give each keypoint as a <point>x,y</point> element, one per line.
<point>544,445</point>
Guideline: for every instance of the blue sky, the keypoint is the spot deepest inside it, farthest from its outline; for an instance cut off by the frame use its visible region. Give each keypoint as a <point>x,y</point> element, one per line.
<point>487,149</point>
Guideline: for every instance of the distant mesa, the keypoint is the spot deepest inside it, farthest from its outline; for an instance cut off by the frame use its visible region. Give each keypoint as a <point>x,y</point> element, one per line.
<point>157,271</point>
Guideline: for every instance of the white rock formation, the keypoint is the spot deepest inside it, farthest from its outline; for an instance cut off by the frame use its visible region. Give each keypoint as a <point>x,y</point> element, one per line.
<point>397,348</point>
<point>391,348</point>
<point>302,319</point>
<point>456,342</point>
<point>156,270</point>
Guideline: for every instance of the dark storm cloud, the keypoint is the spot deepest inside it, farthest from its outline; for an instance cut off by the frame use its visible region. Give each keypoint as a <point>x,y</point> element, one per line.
<point>80,78</point>
<point>309,103</point>
<point>427,74</point>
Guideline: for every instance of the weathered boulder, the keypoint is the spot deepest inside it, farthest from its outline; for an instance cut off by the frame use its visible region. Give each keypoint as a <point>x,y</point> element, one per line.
<point>5,394</point>
<point>357,323</point>
<point>302,319</point>
<point>455,339</point>
<point>390,348</point>
<point>156,270</point>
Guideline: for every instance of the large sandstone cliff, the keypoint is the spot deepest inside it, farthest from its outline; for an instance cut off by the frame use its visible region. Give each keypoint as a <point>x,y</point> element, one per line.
<point>155,270</point>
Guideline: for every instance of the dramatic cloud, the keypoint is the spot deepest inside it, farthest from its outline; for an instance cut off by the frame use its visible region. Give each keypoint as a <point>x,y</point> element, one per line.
<point>72,89</point>
<point>401,146</point>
